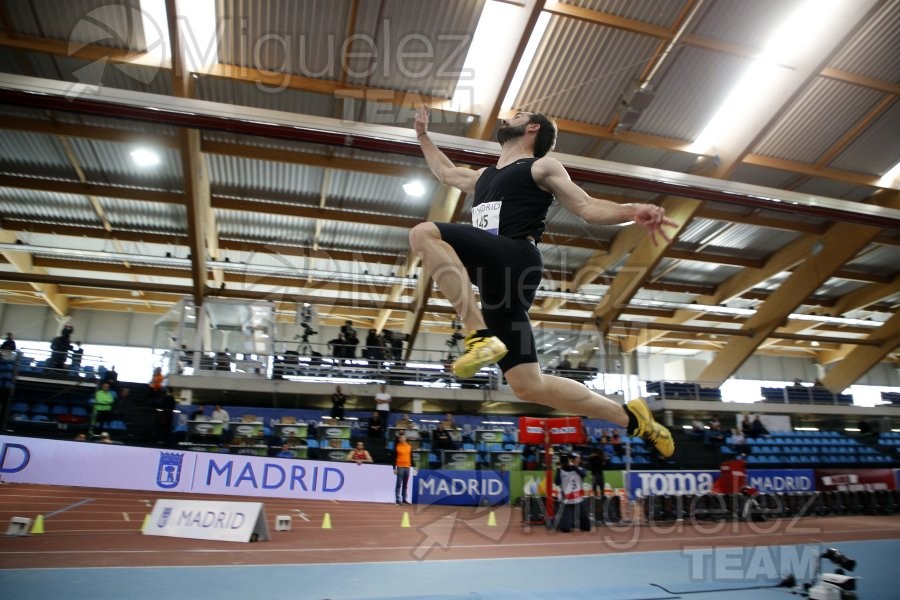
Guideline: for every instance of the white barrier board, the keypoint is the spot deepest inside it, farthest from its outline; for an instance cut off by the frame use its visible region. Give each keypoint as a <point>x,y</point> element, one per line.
<point>203,520</point>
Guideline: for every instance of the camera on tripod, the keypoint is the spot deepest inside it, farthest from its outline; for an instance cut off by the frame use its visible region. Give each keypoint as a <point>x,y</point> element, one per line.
<point>837,585</point>
<point>457,335</point>
<point>307,331</point>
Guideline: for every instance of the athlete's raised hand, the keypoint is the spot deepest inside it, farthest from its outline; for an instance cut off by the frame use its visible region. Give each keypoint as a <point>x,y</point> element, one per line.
<point>653,219</point>
<point>421,122</point>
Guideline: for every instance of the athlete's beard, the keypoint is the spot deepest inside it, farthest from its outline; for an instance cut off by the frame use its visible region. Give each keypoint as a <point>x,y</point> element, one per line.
<point>506,133</point>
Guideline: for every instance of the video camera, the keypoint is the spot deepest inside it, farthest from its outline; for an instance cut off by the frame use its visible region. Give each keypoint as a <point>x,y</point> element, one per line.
<point>307,331</point>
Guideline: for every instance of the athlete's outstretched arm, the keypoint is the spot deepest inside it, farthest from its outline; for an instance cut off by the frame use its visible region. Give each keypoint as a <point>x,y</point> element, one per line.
<point>446,172</point>
<point>552,176</point>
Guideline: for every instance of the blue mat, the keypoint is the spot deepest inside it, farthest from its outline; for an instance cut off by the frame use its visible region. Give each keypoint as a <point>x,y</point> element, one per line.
<point>698,587</point>
<point>631,592</point>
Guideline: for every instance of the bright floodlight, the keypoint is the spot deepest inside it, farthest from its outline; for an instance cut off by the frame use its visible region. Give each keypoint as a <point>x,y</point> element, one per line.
<point>414,188</point>
<point>145,158</point>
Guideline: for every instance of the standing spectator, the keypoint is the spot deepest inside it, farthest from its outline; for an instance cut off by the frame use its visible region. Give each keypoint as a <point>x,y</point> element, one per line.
<point>383,403</point>
<point>402,465</point>
<point>374,346</point>
<point>337,346</point>
<point>747,427</point>
<point>376,426</point>
<point>199,414</point>
<point>597,462</point>
<point>220,414</point>
<point>338,400</point>
<point>359,455</point>
<point>564,366</point>
<point>156,385</point>
<point>104,399</point>
<point>351,341</point>
<point>9,344</point>
<point>60,346</point>
<point>77,356</point>
<point>111,376</point>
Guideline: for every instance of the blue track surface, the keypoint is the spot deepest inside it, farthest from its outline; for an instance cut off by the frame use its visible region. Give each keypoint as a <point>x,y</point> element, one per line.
<point>702,574</point>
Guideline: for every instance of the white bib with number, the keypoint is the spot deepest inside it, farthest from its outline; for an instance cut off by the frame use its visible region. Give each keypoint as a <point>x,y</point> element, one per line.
<point>486,216</point>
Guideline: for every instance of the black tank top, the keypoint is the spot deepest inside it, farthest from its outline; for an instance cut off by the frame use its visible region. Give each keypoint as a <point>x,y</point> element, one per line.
<point>509,203</point>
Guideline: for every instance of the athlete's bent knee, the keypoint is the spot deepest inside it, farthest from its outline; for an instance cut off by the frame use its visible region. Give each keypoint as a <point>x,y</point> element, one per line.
<point>528,391</point>
<point>422,234</point>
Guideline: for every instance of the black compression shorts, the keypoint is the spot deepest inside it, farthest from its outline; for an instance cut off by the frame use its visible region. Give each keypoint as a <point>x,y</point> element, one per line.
<point>507,273</point>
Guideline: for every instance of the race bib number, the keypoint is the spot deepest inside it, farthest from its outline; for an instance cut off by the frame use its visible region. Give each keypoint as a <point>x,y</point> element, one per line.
<point>486,216</point>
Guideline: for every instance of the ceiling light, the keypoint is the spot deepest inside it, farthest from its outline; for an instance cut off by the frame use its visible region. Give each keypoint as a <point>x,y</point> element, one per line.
<point>887,180</point>
<point>790,39</point>
<point>537,34</point>
<point>414,188</point>
<point>143,157</point>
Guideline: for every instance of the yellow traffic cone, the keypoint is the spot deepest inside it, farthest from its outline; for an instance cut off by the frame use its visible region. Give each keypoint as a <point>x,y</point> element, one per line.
<point>145,523</point>
<point>405,521</point>
<point>38,526</point>
<point>326,521</point>
<point>492,520</point>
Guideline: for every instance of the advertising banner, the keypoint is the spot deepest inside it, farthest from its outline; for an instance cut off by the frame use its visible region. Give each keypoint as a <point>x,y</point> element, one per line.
<point>291,430</point>
<point>244,429</point>
<point>563,430</point>
<point>503,460</point>
<point>522,483</point>
<point>56,462</point>
<point>781,481</point>
<point>488,436</point>
<point>461,488</point>
<point>334,432</point>
<point>207,520</point>
<point>658,483</point>
<point>842,480</point>
<point>205,427</point>
<point>458,460</point>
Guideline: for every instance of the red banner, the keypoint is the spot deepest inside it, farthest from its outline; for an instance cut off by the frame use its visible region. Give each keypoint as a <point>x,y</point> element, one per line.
<point>860,480</point>
<point>563,430</point>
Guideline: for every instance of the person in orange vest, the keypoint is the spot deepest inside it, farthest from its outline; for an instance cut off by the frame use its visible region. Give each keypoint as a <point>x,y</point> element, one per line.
<point>402,466</point>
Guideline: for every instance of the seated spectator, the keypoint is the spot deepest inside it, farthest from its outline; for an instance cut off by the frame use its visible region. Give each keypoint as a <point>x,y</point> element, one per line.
<point>616,442</point>
<point>739,442</point>
<point>376,426</point>
<point>605,446</point>
<point>287,451</point>
<point>441,439</point>
<point>359,455</point>
<point>716,433</point>
<point>406,423</point>
<point>80,437</point>
<point>747,427</point>
<point>105,439</point>
<point>698,428</point>
<point>798,383</point>
<point>564,365</point>
<point>759,429</point>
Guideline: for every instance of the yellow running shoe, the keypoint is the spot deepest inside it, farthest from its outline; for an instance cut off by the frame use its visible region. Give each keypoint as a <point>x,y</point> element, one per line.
<point>480,351</point>
<point>649,429</point>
